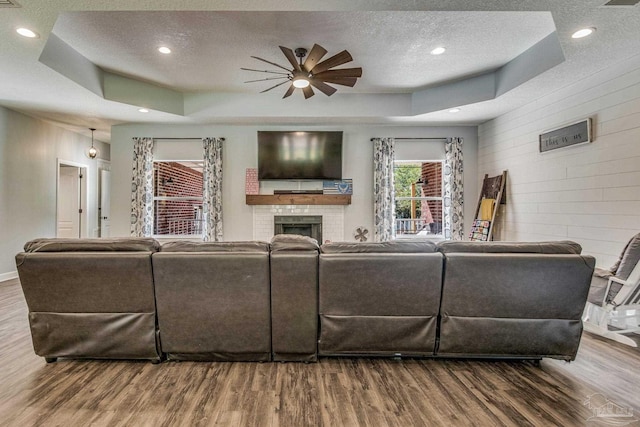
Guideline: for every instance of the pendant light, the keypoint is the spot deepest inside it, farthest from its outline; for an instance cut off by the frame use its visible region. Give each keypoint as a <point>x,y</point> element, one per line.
<point>93,151</point>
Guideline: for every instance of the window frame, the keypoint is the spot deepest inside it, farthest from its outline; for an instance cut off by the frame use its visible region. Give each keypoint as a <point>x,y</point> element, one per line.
<point>439,236</point>
<point>156,198</point>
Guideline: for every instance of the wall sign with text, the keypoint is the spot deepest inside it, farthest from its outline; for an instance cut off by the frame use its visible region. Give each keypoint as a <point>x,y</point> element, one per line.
<point>575,133</point>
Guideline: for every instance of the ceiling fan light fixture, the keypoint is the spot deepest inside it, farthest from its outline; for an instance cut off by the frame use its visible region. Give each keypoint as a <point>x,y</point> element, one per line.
<point>438,51</point>
<point>164,49</point>
<point>312,71</point>
<point>300,82</point>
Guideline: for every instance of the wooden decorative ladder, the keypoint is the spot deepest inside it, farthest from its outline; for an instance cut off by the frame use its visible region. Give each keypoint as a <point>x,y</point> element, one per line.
<point>493,194</point>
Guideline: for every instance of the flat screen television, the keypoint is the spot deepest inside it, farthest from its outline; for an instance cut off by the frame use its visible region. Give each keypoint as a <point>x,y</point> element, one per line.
<point>299,155</point>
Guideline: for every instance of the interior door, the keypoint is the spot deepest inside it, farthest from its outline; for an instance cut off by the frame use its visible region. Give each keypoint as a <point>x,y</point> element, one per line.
<point>68,202</point>
<point>105,203</point>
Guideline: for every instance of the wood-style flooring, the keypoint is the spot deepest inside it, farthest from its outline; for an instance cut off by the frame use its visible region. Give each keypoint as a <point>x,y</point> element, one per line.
<point>333,392</point>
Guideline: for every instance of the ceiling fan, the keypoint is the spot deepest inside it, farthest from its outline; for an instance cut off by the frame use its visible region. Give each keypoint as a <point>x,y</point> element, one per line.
<point>311,72</point>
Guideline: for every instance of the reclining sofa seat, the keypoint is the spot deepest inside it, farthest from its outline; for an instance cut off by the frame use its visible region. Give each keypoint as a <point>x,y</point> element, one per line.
<point>90,298</point>
<point>513,300</point>
<point>213,300</point>
<point>294,298</point>
<point>379,298</point>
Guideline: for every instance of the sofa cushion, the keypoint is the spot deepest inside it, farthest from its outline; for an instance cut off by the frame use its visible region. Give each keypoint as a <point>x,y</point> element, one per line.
<point>293,242</point>
<point>187,246</point>
<point>128,244</point>
<point>559,247</point>
<point>214,305</point>
<point>409,246</point>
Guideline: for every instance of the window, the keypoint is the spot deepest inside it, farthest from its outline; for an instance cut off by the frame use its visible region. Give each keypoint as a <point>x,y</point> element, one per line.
<point>177,198</point>
<point>418,189</point>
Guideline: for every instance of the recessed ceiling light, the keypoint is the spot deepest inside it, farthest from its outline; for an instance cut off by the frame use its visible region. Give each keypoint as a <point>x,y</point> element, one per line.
<point>583,33</point>
<point>143,110</point>
<point>438,51</point>
<point>454,110</point>
<point>164,49</point>
<point>25,32</point>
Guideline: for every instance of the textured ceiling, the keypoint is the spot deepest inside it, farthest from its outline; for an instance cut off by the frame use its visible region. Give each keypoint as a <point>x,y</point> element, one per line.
<point>211,40</point>
<point>209,48</point>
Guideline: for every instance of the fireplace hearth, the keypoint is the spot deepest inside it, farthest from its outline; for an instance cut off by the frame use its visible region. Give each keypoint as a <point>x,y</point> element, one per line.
<point>305,225</point>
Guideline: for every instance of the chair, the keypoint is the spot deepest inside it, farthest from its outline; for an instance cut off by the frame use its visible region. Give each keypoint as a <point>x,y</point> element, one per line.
<point>613,305</point>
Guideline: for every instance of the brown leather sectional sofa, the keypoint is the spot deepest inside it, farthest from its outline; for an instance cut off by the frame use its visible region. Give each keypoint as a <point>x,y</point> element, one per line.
<point>91,298</point>
<point>291,300</point>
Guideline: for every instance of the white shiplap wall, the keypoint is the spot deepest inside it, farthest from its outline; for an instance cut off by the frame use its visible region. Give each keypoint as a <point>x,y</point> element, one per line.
<point>588,193</point>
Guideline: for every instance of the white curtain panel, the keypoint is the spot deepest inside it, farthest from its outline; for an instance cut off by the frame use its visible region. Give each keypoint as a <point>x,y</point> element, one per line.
<point>453,190</point>
<point>212,190</point>
<point>384,206</point>
<point>142,188</point>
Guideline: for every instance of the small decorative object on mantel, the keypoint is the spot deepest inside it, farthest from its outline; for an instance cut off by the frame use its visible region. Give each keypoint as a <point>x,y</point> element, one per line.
<point>361,234</point>
<point>575,133</point>
<point>251,185</point>
<point>344,186</point>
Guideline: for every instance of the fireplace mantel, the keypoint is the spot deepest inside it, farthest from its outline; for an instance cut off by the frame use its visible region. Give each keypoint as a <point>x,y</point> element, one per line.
<point>298,199</point>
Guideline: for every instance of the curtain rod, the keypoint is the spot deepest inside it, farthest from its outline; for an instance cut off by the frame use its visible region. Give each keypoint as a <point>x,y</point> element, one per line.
<point>438,139</point>
<point>199,139</point>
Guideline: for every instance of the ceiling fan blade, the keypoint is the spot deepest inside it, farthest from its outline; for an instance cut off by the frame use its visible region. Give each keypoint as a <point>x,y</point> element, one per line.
<point>323,87</point>
<point>289,91</point>
<point>337,59</point>
<point>265,71</point>
<point>273,87</point>
<point>316,54</point>
<point>272,63</point>
<point>308,92</point>
<point>268,78</point>
<point>291,57</point>
<point>344,81</point>
<point>340,72</point>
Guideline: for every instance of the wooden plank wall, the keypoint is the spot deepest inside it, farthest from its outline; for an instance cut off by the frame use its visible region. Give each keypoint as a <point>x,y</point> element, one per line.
<point>588,193</point>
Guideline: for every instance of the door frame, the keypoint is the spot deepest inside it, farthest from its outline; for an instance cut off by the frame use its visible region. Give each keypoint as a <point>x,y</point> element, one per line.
<point>102,165</point>
<point>84,223</point>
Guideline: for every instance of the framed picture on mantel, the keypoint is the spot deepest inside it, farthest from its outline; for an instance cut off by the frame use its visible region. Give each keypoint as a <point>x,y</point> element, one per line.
<point>251,185</point>
<point>344,186</point>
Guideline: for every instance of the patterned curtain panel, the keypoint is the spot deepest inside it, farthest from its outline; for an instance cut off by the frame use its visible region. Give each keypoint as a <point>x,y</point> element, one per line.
<point>212,190</point>
<point>453,195</point>
<point>384,206</point>
<point>142,188</point>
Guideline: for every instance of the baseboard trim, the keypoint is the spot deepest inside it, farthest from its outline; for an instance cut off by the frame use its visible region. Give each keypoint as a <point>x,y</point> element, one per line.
<point>8,276</point>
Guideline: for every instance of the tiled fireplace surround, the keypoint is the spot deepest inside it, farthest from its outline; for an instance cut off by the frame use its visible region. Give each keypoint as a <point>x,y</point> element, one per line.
<point>332,220</point>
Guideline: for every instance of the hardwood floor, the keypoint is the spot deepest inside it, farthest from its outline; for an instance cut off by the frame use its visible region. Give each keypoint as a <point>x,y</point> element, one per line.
<point>333,392</point>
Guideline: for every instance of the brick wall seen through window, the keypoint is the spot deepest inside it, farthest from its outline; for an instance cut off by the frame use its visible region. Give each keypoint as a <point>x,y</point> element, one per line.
<point>178,198</point>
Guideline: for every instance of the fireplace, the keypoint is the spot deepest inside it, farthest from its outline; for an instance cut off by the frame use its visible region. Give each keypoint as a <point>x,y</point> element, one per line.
<point>306,225</point>
<point>332,220</point>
